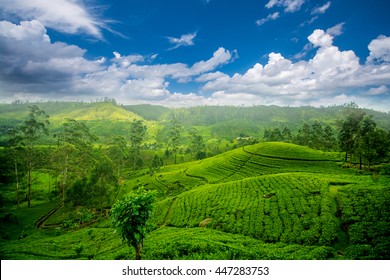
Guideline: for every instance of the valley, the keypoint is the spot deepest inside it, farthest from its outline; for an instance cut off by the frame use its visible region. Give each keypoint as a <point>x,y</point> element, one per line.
<point>241,198</point>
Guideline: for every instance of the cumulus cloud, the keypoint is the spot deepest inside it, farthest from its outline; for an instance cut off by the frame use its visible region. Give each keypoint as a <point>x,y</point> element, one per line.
<point>329,76</point>
<point>320,39</point>
<point>34,67</point>
<point>321,9</point>
<point>270,17</point>
<point>289,6</point>
<point>67,16</point>
<point>184,40</point>
<point>379,50</point>
<point>29,59</point>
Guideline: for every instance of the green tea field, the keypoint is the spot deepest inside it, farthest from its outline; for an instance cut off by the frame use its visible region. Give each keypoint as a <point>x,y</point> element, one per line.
<point>265,201</point>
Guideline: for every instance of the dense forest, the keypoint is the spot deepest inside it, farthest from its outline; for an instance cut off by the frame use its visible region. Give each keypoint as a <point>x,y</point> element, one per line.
<point>292,182</point>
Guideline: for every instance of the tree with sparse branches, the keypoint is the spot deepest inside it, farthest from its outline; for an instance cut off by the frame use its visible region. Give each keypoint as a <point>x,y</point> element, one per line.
<point>174,137</point>
<point>137,135</point>
<point>28,133</point>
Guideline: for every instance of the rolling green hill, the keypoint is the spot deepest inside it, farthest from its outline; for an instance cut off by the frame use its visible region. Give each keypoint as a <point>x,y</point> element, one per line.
<point>270,200</point>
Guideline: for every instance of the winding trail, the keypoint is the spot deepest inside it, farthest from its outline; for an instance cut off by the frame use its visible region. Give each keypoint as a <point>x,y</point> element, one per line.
<point>41,221</point>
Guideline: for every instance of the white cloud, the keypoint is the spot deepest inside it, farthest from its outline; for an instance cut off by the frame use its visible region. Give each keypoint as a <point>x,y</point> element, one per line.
<point>29,59</point>
<point>379,50</point>
<point>210,76</point>
<point>336,30</point>
<point>34,67</point>
<point>379,90</point>
<point>327,78</point>
<point>270,17</point>
<point>220,57</point>
<point>147,82</point>
<point>321,9</point>
<point>289,6</point>
<point>320,39</point>
<point>67,16</point>
<point>184,40</point>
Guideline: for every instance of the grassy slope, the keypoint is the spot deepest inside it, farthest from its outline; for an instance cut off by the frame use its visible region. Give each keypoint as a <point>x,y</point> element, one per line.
<point>267,201</point>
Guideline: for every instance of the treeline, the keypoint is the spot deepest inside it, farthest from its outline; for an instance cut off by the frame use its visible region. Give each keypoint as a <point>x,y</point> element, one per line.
<point>357,134</point>
<point>267,116</point>
<point>315,136</point>
<point>85,173</point>
<point>88,173</point>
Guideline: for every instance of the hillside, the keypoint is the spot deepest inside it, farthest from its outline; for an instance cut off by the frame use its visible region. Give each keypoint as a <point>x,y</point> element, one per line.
<point>265,201</point>
<point>269,200</point>
<point>213,122</point>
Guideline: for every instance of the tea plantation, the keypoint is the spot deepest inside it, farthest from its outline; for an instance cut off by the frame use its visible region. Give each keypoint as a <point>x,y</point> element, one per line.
<point>265,201</point>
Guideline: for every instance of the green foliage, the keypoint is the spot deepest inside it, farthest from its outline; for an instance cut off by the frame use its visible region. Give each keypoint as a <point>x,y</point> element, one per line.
<point>316,137</point>
<point>291,208</point>
<point>174,137</point>
<point>270,200</point>
<point>137,134</point>
<point>130,216</point>
<point>365,215</point>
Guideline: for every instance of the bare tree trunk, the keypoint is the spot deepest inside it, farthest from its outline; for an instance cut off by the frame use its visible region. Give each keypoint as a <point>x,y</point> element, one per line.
<point>17,178</point>
<point>138,251</point>
<point>65,173</point>
<point>29,186</point>
<point>30,167</point>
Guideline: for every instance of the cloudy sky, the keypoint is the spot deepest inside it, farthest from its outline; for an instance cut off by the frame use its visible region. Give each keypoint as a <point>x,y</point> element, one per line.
<point>197,52</point>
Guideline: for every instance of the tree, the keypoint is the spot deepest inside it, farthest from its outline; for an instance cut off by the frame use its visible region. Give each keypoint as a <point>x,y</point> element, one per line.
<point>118,152</point>
<point>174,137</point>
<point>157,162</point>
<point>286,134</point>
<point>329,139</point>
<point>74,151</point>
<point>303,137</point>
<point>137,134</point>
<point>197,146</point>
<point>348,132</point>
<point>316,136</point>
<point>29,132</point>
<point>103,178</point>
<point>13,145</point>
<point>130,216</point>
<point>365,140</point>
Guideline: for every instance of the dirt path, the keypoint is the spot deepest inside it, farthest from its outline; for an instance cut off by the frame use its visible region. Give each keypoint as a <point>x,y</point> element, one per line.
<point>42,220</point>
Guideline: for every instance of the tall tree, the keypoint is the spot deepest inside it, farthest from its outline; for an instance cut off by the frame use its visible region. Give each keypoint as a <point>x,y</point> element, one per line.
<point>156,164</point>
<point>130,216</point>
<point>74,151</point>
<point>103,179</point>
<point>304,135</point>
<point>329,138</point>
<point>174,137</point>
<point>349,132</point>
<point>118,152</point>
<point>286,134</point>
<point>197,146</point>
<point>366,138</point>
<point>316,136</point>
<point>13,146</point>
<point>29,132</point>
<point>137,135</point>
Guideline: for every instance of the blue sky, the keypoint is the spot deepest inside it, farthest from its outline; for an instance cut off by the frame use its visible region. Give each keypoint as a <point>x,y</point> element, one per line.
<point>197,52</point>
